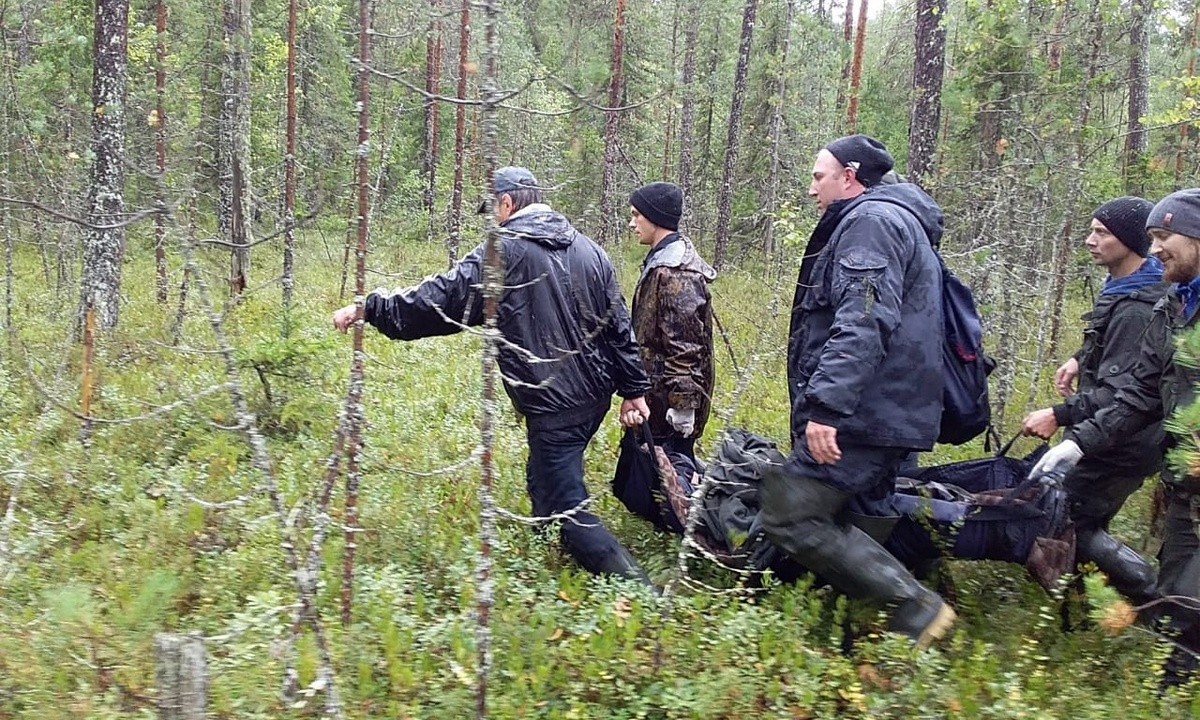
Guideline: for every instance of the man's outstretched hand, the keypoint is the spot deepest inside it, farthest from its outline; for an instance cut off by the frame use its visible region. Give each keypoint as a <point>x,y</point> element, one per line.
<point>343,318</point>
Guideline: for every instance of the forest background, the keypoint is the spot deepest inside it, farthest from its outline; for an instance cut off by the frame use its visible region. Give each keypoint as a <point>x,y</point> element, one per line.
<point>193,459</point>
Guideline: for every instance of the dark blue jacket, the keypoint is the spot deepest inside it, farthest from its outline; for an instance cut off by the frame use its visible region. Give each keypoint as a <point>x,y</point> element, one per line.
<point>568,343</point>
<point>865,346</point>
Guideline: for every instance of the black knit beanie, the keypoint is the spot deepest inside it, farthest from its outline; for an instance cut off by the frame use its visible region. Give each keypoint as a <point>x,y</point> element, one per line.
<point>659,202</point>
<point>1178,212</point>
<point>1125,218</point>
<point>869,158</point>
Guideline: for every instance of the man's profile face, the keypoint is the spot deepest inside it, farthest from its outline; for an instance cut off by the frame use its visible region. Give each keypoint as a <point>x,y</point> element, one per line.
<point>643,228</point>
<point>1105,248</point>
<point>831,181</point>
<point>1179,254</point>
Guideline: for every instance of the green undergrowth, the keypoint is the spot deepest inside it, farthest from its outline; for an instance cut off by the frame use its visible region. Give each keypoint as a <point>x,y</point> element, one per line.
<point>107,544</point>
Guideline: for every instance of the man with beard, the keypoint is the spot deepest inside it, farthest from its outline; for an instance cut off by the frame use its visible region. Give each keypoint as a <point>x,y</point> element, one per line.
<point>1160,384</point>
<point>865,380</point>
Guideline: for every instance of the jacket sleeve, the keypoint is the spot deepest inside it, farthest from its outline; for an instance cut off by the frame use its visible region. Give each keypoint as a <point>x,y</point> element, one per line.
<point>680,298</point>
<point>1137,404</point>
<point>628,372</point>
<point>1122,350</point>
<point>867,291</point>
<point>439,305</point>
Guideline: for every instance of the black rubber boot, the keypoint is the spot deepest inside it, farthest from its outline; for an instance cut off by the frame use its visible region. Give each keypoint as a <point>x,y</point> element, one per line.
<point>801,517</point>
<point>1128,572</point>
<point>619,562</point>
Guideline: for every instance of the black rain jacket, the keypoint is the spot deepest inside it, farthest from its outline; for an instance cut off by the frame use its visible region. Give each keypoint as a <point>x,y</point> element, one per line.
<point>865,346</point>
<point>568,342</point>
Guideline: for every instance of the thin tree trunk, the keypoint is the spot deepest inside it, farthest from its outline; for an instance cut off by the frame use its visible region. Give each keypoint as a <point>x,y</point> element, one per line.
<point>687,114</point>
<point>724,197</point>
<point>460,120</point>
<point>612,119</point>
<point>289,166</point>
<point>104,240</point>
<point>433,65</point>
<point>1193,32</point>
<point>1067,238</point>
<point>160,150</point>
<point>354,401</point>
<point>928,68</point>
<point>847,37</point>
<point>860,38</point>
<point>669,100</point>
<point>234,144</point>
<point>777,129</point>
<point>1136,138</point>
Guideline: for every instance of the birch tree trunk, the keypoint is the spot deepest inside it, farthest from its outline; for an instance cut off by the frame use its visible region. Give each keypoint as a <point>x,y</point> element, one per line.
<point>612,119</point>
<point>433,65</point>
<point>777,129</point>
<point>289,165</point>
<point>104,240</point>
<point>687,114</point>
<point>928,67</point>
<point>724,197</point>
<point>160,149</point>
<point>460,121</point>
<point>233,146</point>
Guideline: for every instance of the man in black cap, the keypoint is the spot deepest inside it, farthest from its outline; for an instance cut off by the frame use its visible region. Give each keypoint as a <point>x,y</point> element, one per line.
<point>568,346</point>
<point>1100,484</point>
<point>672,318</point>
<point>864,378</point>
<point>673,321</point>
<point>1158,385</point>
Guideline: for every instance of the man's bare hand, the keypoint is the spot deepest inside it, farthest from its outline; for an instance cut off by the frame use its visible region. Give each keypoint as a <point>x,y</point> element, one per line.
<point>822,443</point>
<point>1064,377</point>
<point>343,318</point>
<point>1040,423</point>
<point>634,411</point>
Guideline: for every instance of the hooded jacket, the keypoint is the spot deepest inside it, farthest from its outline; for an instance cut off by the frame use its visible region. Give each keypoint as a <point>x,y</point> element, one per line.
<point>567,339</point>
<point>864,349</point>
<point>673,322</point>
<point>1111,346</point>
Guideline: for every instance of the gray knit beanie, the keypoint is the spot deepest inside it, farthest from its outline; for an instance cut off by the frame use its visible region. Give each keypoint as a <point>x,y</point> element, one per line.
<point>1178,212</point>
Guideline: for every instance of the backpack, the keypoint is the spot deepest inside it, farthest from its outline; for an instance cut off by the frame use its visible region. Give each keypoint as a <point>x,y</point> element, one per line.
<point>966,410</point>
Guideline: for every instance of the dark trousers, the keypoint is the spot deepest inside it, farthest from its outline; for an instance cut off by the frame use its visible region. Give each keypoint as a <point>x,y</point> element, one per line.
<point>1179,575</point>
<point>554,480</point>
<point>1095,493</point>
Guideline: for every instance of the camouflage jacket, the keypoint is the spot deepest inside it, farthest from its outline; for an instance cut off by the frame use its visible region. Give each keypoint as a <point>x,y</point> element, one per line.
<point>672,319</point>
<point>1158,386</point>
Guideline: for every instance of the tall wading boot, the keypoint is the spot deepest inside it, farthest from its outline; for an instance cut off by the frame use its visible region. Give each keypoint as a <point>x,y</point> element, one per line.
<point>598,551</point>
<point>1128,572</point>
<point>800,516</point>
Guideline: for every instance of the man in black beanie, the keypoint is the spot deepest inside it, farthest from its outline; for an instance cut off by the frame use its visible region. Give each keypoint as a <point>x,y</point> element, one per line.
<point>864,379</point>
<point>1157,386</point>
<point>673,323</point>
<point>1099,485</point>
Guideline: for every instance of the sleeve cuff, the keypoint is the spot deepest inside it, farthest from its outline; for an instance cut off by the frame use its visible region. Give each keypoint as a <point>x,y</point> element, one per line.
<point>824,416</point>
<point>1062,414</point>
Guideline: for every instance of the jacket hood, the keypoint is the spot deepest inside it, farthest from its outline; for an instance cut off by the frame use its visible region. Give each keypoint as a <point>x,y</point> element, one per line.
<point>541,224</point>
<point>912,198</point>
<point>681,254</point>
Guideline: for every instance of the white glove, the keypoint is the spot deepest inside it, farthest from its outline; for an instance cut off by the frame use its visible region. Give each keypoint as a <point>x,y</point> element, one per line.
<point>684,421</point>
<point>1057,462</point>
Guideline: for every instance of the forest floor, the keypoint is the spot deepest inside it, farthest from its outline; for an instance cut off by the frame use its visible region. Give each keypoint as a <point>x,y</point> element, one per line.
<point>106,542</point>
